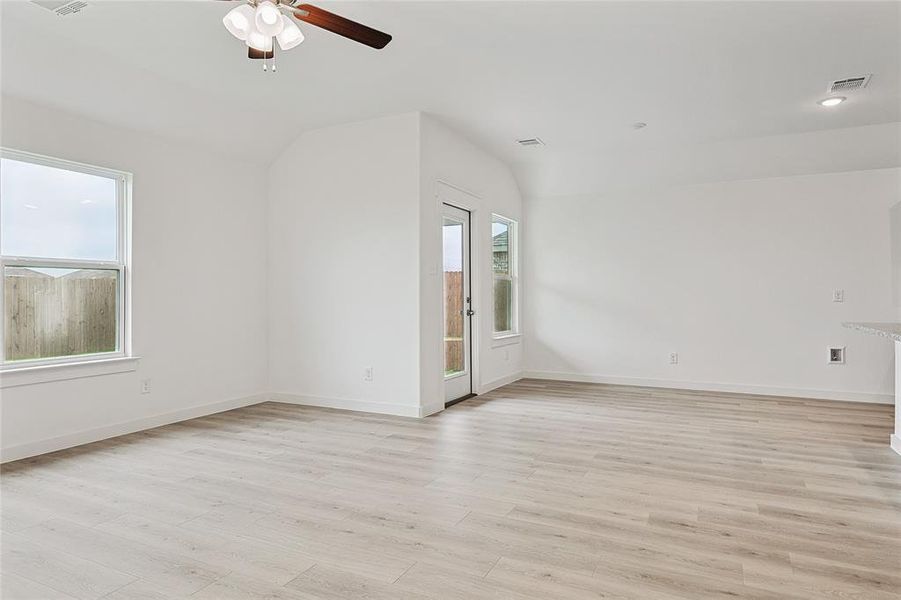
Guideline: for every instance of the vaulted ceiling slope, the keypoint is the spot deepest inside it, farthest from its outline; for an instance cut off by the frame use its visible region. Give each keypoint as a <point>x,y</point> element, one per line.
<point>728,89</point>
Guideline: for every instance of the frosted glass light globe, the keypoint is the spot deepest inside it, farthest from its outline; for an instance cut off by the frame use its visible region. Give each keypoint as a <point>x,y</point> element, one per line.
<point>290,36</point>
<point>268,18</point>
<point>239,21</point>
<point>258,40</point>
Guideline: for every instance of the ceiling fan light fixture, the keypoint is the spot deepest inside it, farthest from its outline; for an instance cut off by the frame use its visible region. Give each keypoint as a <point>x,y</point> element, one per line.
<point>239,21</point>
<point>258,40</point>
<point>268,18</point>
<point>260,22</point>
<point>290,36</point>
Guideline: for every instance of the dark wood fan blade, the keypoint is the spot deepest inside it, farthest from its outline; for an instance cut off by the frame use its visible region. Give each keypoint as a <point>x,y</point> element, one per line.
<point>344,27</point>
<point>259,54</point>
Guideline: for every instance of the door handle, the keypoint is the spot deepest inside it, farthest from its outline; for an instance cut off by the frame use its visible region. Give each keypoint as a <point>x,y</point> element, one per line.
<point>470,312</point>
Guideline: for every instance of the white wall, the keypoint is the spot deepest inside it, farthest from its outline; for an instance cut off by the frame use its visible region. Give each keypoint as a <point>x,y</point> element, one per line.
<point>661,159</point>
<point>344,274</point>
<point>199,286</point>
<point>344,262</point>
<point>896,437</point>
<point>355,257</point>
<point>736,277</point>
<point>895,218</point>
<point>450,158</point>
<point>230,306</point>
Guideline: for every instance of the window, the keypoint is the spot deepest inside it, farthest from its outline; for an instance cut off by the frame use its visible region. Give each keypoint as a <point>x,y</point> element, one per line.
<point>506,278</point>
<point>63,256</point>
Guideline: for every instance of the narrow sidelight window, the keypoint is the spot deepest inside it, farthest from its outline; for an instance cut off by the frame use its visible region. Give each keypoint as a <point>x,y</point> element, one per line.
<point>506,277</point>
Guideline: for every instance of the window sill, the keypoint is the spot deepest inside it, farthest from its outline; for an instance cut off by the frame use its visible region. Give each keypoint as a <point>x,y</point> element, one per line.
<point>506,340</point>
<point>18,376</point>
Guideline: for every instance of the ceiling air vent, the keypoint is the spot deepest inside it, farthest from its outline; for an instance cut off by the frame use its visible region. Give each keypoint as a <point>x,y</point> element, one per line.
<point>62,7</point>
<point>849,84</point>
<point>530,142</point>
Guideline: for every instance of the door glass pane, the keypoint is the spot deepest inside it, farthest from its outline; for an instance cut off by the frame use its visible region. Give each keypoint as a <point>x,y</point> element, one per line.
<point>454,359</point>
<point>51,313</point>
<point>55,213</point>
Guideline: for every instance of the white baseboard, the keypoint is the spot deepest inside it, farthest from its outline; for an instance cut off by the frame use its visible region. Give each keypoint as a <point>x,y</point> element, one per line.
<point>399,410</point>
<point>499,382</point>
<point>896,443</point>
<point>431,409</point>
<point>738,388</point>
<point>110,431</point>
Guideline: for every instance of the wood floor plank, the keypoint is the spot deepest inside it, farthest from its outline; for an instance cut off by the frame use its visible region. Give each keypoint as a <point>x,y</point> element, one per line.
<point>13,586</point>
<point>172,574</point>
<point>537,490</point>
<point>66,572</point>
<point>326,583</point>
<point>266,562</point>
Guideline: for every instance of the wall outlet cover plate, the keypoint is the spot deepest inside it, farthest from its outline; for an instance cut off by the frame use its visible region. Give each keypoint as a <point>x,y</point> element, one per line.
<point>836,355</point>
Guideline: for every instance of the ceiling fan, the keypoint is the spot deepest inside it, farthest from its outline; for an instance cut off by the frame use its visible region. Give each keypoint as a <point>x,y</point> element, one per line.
<point>257,22</point>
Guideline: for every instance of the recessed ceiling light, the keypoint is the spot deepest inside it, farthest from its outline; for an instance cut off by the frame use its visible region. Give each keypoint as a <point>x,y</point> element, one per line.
<point>31,207</point>
<point>835,101</point>
<point>87,202</point>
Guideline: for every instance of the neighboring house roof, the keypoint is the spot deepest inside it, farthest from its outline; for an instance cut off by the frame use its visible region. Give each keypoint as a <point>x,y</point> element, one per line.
<point>500,242</point>
<point>89,274</point>
<point>23,272</point>
<point>74,274</point>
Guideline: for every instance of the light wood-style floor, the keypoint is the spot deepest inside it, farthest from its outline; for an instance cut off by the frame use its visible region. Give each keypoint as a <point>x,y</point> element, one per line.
<point>538,490</point>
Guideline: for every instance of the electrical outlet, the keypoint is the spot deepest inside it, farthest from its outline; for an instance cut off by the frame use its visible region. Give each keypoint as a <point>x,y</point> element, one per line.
<point>838,295</point>
<point>145,386</point>
<point>836,355</point>
<point>674,358</point>
<point>367,374</point>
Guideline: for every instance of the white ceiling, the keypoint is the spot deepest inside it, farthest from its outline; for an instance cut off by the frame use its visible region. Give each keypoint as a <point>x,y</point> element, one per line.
<point>715,81</point>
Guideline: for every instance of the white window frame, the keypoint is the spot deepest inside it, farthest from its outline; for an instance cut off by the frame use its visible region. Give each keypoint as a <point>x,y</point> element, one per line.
<point>121,264</point>
<point>513,277</point>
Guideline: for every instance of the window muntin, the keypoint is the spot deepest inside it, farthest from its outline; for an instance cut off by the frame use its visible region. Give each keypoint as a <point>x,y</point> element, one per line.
<point>504,268</point>
<point>62,237</point>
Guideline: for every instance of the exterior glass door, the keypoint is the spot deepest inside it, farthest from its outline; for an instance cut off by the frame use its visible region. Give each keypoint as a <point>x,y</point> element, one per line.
<point>457,304</point>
